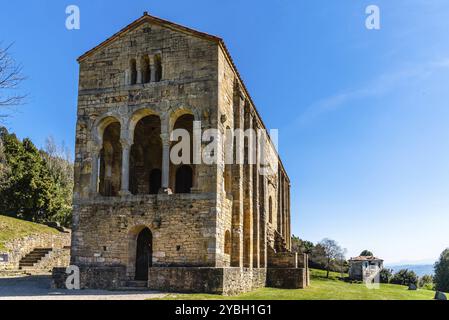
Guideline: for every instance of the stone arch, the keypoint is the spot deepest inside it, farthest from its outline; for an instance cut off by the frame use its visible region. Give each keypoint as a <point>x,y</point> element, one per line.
<point>101,123</point>
<point>183,173</point>
<point>135,118</point>
<point>146,155</point>
<point>175,114</point>
<point>110,160</point>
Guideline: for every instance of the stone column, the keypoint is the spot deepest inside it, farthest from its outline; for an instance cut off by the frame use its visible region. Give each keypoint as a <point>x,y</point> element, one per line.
<point>152,69</point>
<point>139,70</point>
<point>95,155</point>
<point>165,137</point>
<point>281,203</point>
<point>284,213</point>
<point>263,222</point>
<point>248,201</point>
<point>126,149</point>
<point>237,183</point>
<point>257,201</point>
<point>289,222</point>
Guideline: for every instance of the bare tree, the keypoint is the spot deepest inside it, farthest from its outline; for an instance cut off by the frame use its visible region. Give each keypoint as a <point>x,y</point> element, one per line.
<point>332,251</point>
<point>10,79</point>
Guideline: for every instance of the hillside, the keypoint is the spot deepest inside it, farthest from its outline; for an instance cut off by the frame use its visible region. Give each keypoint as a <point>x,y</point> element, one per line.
<point>323,289</point>
<point>12,228</point>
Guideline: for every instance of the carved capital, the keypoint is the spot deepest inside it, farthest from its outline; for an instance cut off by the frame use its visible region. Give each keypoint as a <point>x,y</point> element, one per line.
<point>165,137</point>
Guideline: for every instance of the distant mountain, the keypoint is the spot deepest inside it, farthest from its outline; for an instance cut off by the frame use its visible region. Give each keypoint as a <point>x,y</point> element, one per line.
<point>419,269</point>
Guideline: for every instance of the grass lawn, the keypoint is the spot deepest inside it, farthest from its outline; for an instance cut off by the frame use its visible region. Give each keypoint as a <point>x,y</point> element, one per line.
<point>322,289</point>
<point>11,228</point>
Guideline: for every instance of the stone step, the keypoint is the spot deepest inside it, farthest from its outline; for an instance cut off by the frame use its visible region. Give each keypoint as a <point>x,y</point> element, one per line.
<point>132,289</point>
<point>33,257</point>
<point>137,284</point>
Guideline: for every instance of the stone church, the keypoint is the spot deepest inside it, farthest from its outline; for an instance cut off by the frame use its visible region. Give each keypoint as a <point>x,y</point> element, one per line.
<point>140,219</point>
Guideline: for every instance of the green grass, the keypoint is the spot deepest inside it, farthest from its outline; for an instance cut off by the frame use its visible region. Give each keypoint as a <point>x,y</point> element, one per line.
<point>322,289</point>
<point>11,228</point>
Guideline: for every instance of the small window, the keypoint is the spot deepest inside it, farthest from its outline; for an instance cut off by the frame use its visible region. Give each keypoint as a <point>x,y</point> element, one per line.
<point>158,68</point>
<point>132,71</point>
<point>146,71</point>
<point>270,208</point>
<point>227,245</point>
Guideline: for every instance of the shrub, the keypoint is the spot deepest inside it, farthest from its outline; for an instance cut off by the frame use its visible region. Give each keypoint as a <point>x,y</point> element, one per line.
<point>426,282</point>
<point>405,277</point>
<point>386,275</point>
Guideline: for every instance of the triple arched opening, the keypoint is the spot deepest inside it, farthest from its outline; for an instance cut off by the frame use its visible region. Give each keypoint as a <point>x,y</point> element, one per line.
<point>145,157</point>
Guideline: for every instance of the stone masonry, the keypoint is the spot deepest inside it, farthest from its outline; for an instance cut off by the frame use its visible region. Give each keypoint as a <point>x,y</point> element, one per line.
<point>139,216</point>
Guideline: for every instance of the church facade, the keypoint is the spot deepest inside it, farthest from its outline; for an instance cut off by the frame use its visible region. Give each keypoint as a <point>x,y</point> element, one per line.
<point>142,219</point>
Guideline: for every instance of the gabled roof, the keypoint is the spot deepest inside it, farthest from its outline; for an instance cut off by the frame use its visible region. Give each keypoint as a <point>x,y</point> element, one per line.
<point>174,26</point>
<point>365,258</point>
<point>155,20</point>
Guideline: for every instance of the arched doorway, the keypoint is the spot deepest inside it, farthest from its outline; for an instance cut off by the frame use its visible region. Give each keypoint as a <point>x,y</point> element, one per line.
<point>144,254</point>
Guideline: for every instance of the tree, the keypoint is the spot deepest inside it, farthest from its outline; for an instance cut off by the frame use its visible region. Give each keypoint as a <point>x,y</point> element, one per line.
<point>38,187</point>
<point>366,253</point>
<point>4,168</point>
<point>10,79</point>
<point>332,251</point>
<point>301,246</point>
<point>386,275</point>
<point>405,277</point>
<point>441,278</point>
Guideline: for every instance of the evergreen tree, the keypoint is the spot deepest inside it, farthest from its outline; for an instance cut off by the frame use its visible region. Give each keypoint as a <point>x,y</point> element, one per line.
<point>441,277</point>
<point>36,189</point>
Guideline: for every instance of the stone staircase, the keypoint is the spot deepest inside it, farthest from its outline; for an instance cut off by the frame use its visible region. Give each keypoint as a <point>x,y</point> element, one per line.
<point>134,285</point>
<point>32,258</point>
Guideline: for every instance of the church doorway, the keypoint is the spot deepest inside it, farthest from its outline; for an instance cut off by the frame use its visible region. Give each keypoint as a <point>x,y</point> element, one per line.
<point>144,254</point>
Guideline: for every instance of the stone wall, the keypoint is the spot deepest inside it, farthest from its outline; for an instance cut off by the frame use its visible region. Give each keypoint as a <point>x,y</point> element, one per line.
<point>92,277</point>
<point>237,280</point>
<point>282,259</point>
<point>182,225</point>
<point>18,248</point>
<point>226,281</point>
<point>287,278</point>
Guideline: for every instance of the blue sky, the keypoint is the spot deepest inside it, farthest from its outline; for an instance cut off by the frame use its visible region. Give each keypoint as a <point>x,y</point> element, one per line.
<point>363,114</point>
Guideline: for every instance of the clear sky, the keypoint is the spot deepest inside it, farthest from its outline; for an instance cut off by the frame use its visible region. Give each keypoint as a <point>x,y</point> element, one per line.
<point>363,114</point>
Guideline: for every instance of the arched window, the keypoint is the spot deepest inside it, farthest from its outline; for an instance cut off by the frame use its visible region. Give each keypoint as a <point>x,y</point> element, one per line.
<point>158,68</point>
<point>184,177</point>
<point>182,174</point>
<point>110,161</point>
<point>227,243</point>
<point>146,156</point>
<point>270,208</point>
<point>155,181</point>
<point>146,72</point>
<point>132,71</point>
